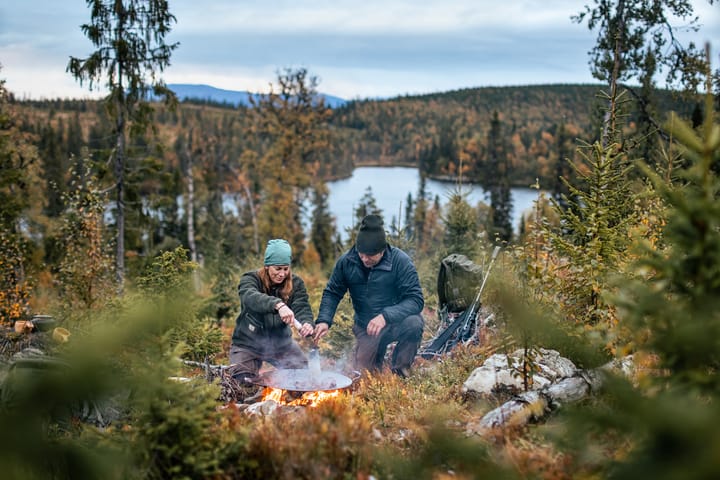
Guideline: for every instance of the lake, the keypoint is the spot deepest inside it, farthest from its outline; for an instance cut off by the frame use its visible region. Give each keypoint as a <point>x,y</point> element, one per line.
<point>390,187</point>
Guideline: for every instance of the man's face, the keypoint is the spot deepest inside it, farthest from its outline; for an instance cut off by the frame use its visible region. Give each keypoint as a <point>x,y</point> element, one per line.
<point>371,260</point>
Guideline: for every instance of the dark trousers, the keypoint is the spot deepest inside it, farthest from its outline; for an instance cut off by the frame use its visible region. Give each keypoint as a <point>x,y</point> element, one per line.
<point>370,351</point>
<point>246,362</point>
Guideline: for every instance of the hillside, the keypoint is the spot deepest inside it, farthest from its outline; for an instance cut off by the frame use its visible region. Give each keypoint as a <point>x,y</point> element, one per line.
<point>439,132</point>
<point>207,93</point>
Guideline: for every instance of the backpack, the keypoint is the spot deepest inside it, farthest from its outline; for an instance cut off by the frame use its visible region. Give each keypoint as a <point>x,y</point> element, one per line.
<point>459,280</point>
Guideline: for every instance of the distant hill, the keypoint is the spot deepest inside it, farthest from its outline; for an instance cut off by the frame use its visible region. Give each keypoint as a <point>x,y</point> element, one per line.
<point>439,133</point>
<point>186,91</point>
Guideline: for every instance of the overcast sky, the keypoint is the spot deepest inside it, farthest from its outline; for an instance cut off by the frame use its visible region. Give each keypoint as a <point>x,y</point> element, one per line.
<point>357,48</point>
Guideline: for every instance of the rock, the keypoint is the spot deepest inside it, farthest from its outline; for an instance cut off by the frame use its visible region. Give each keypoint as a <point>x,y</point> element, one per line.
<point>267,407</point>
<point>533,405</point>
<point>501,373</point>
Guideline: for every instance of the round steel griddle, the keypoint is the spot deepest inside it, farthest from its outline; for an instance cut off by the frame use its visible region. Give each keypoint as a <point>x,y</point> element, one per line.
<point>302,380</point>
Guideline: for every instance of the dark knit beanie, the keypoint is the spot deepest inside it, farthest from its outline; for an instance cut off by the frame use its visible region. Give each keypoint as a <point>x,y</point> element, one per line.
<point>278,252</point>
<point>371,235</point>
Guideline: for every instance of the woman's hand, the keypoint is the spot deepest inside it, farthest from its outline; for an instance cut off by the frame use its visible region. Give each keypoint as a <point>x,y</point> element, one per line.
<point>286,315</point>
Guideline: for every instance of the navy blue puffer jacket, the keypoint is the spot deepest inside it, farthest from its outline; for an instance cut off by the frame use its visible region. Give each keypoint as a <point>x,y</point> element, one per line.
<point>391,287</point>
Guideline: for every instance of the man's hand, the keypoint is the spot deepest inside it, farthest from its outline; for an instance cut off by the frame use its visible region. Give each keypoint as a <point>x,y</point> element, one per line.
<point>321,329</point>
<point>306,330</point>
<point>376,325</point>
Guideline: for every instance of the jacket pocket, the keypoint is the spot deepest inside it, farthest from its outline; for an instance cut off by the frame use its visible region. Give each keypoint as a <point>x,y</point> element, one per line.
<point>250,325</point>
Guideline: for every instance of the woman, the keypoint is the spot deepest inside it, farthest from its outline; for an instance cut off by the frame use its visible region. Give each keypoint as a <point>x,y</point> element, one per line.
<point>272,299</point>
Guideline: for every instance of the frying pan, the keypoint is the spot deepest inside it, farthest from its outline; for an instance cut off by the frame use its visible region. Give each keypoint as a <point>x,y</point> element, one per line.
<point>302,380</point>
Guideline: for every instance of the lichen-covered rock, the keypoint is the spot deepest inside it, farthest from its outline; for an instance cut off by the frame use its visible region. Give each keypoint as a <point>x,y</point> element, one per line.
<point>502,373</point>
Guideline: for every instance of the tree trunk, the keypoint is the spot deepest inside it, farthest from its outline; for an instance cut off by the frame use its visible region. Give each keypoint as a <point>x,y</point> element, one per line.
<point>611,115</point>
<point>253,216</point>
<point>119,197</point>
<point>190,208</point>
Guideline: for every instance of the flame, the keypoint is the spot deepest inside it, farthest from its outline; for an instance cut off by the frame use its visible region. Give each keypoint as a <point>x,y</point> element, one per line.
<point>308,399</point>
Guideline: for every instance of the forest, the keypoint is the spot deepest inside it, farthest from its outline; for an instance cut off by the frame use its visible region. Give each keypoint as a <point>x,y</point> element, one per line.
<point>127,222</point>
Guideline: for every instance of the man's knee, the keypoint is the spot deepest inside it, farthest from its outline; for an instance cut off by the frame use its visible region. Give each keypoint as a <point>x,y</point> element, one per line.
<point>413,327</point>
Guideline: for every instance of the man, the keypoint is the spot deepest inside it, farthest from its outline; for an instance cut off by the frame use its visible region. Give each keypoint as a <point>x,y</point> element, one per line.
<point>386,296</point>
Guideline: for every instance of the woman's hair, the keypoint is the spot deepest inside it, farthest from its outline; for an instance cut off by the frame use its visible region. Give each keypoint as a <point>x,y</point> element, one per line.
<point>285,288</point>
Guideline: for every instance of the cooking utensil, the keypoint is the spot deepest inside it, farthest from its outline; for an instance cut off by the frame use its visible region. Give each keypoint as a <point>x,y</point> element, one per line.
<point>44,323</point>
<point>24,326</point>
<point>301,380</point>
<point>314,362</point>
<point>313,358</point>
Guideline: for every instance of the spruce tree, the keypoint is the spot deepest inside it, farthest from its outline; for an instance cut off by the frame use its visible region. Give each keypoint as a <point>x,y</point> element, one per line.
<point>498,182</point>
<point>593,234</point>
<point>419,217</point>
<point>292,127</point>
<point>20,174</point>
<point>322,230</point>
<point>461,229</point>
<point>677,294</point>
<point>129,36</point>
<point>367,206</point>
<point>563,168</point>
<point>666,425</point>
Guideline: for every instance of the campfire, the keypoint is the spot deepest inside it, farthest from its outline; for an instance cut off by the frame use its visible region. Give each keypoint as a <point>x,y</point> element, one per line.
<point>308,399</point>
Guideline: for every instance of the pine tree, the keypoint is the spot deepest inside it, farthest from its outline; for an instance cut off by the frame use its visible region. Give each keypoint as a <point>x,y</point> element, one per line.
<point>292,127</point>
<point>19,175</point>
<point>593,234</point>
<point>323,229</point>
<point>629,30</point>
<point>129,37</point>
<point>672,305</point>
<point>498,182</point>
<point>461,229</point>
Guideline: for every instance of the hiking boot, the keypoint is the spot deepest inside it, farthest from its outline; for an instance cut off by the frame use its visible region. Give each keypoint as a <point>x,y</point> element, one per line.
<point>401,372</point>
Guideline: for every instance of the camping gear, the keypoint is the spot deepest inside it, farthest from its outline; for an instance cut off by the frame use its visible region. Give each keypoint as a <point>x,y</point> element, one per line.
<point>23,326</point>
<point>60,335</point>
<point>457,282</point>
<point>458,317</point>
<point>311,379</point>
<point>302,380</point>
<point>44,323</point>
<point>313,354</point>
<point>314,362</point>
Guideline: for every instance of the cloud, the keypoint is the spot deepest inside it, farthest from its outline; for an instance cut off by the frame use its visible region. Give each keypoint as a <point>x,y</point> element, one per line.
<point>358,48</point>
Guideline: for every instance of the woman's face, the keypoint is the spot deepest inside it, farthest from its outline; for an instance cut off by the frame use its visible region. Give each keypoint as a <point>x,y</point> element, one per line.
<point>278,273</point>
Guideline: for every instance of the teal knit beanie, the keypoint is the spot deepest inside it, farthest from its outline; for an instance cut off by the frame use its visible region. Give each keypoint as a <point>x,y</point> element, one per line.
<point>278,252</point>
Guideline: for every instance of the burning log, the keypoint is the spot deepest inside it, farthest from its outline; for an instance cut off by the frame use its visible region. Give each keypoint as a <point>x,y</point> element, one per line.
<point>276,398</point>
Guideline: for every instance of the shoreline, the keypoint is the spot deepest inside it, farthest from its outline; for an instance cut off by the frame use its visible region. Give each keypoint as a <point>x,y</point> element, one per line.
<point>437,178</point>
